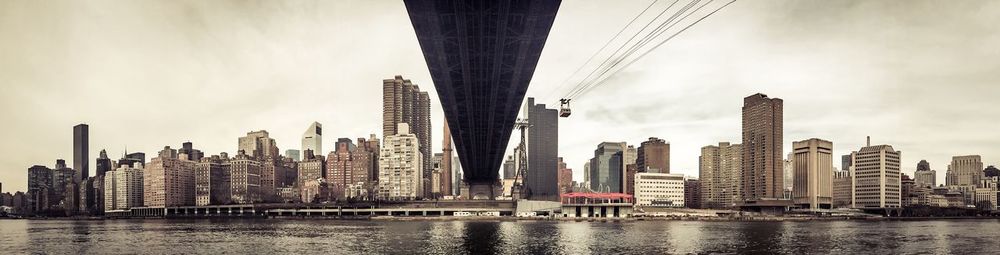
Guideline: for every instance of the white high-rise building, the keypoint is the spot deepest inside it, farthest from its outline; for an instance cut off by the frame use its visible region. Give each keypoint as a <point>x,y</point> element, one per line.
<point>312,139</point>
<point>659,190</point>
<point>123,188</point>
<point>110,191</point>
<point>789,178</point>
<point>400,166</point>
<point>877,181</point>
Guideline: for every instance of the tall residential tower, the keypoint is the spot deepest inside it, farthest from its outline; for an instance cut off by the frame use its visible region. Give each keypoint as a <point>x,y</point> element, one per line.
<point>762,167</point>
<point>404,102</point>
<point>400,167</point>
<point>719,170</point>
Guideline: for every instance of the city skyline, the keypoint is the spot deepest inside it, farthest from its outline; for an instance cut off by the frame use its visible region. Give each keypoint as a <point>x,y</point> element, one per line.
<point>697,112</point>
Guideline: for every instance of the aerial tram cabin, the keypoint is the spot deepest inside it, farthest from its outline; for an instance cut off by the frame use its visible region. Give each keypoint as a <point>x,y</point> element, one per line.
<point>564,108</point>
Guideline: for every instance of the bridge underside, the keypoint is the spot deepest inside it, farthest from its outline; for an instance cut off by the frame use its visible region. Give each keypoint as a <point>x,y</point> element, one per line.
<point>481,55</point>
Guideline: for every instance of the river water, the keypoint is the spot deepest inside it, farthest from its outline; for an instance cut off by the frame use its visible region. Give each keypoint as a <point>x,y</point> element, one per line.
<point>282,236</point>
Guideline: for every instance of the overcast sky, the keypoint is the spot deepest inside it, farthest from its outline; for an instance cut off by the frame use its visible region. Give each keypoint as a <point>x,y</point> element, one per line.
<point>919,75</point>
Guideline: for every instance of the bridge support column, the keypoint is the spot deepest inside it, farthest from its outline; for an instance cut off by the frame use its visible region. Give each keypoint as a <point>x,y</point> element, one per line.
<point>482,191</point>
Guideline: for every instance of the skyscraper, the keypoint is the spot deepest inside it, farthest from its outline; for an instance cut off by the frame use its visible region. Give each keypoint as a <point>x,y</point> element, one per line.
<point>349,169</point>
<point>81,152</point>
<point>438,176</point>
<point>629,180</point>
<point>762,167</point>
<point>188,152</point>
<point>907,196</point>
<point>842,189</point>
<point>400,164</point>
<point>312,177</point>
<point>295,155</point>
<point>509,169</point>
<point>789,174</point>
<point>274,174</point>
<point>62,179</point>
<point>924,176</point>
<point>923,165</point>
<point>339,166</point>
<point>542,178</point>
<point>653,156</point>
<point>964,174</point>
<point>693,193</point>
<point>103,164</point>
<point>312,139</point>
<point>39,187</point>
<point>627,159</point>
<point>565,177</point>
<point>964,170</point>
<point>606,170</point>
<point>845,162</point>
<point>312,168</point>
<point>456,168</point>
<point>90,195</point>
<point>244,173</point>
<point>877,180</point>
<point>212,181</point>
<point>132,159</point>
<point>403,102</point>
<point>168,180</point>
<point>435,179</point>
<point>259,146</point>
<point>719,172</point>
<point>813,169</point>
<point>373,148</point>
<point>124,188</point>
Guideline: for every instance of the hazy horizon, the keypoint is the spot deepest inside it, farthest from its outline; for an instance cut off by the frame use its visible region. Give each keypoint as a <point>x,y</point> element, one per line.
<point>919,75</point>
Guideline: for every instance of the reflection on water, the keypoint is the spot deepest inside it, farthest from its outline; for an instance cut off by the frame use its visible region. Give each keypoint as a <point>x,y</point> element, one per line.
<point>238,236</point>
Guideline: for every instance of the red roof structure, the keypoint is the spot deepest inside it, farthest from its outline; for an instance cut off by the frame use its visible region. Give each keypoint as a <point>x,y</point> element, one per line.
<point>596,198</point>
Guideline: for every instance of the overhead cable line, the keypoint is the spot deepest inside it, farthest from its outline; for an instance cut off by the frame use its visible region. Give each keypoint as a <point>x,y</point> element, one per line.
<point>667,40</point>
<point>604,63</point>
<point>566,81</point>
<point>610,65</point>
<point>586,87</point>
<point>616,59</point>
